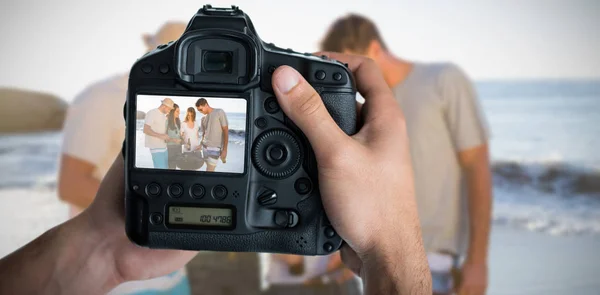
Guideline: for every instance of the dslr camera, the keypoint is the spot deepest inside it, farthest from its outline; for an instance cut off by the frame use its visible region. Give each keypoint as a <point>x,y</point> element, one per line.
<point>211,161</point>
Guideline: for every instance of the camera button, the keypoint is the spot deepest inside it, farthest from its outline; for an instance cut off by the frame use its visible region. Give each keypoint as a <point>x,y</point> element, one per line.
<point>276,154</point>
<point>175,190</point>
<point>147,68</point>
<point>164,68</point>
<point>328,247</point>
<point>271,105</point>
<point>320,75</point>
<point>197,191</point>
<point>329,232</point>
<point>153,189</point>
<point>303,186</point>
<point>162,46</point>
<point>219,192</point>
<point>284,218</point>
<point>260,122</point>
<point>271,69</point>
<point>156,218</point>
<point>337,76</point>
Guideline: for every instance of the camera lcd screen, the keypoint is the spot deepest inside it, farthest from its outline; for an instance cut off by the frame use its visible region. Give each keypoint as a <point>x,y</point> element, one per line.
<point>200,216</point>
<point>190,133</point>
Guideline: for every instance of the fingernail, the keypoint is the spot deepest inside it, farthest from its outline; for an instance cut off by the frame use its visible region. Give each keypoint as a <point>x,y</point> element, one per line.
<point>287,78</point>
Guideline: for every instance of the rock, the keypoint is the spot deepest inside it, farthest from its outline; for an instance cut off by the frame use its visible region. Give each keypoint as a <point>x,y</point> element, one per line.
<point>140,115</point>
<point>30,111</point>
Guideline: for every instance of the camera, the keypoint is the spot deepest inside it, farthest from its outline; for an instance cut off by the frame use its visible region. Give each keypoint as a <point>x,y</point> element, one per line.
<point>211,161</point>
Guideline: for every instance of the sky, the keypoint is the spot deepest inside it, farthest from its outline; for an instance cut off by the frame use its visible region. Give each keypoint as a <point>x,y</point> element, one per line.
<point>229,105</point>
<point>61,46</point>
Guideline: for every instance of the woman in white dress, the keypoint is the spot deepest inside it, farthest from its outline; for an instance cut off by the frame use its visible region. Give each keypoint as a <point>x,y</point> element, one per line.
<point>190,130</point>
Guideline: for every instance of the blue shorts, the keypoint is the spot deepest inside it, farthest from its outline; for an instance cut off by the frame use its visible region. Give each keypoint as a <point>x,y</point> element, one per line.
<point>160,159</point>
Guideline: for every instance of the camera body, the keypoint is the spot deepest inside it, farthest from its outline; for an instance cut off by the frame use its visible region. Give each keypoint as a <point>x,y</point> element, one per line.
<point>262,196</point>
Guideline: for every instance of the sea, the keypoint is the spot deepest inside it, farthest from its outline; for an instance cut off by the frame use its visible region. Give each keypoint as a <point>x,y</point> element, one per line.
<point>545,150</point>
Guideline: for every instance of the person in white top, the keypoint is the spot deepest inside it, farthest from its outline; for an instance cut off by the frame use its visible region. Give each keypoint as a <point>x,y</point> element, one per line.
<point>155,131</point>
<point>93,135</point>
<point>190,129</point>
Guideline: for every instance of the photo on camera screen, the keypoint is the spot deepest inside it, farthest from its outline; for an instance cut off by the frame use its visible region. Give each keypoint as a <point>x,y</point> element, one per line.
<point>194,133</point>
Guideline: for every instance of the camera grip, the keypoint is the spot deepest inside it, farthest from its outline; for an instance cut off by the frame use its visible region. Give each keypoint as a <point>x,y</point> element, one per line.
<point>342,108</point>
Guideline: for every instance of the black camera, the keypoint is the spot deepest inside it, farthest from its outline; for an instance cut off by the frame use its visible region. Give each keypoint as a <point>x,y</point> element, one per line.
<point>212,163</point>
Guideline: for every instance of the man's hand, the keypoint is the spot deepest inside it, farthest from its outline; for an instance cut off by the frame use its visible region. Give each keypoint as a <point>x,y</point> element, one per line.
<point>107,218</point>
<point>224,155</point>
<point>365,180</point>
<point>473,279</point>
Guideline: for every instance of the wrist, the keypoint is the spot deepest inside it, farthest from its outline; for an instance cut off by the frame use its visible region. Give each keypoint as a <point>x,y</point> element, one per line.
<point>396,266</point>
<point>84,261</point>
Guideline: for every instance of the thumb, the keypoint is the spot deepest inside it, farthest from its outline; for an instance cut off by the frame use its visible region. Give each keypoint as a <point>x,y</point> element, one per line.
<point>301,102</point>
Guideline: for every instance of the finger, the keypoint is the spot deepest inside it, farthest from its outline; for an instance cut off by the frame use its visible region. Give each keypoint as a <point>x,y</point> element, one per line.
<point>378,96</point>
<point>304,106</point>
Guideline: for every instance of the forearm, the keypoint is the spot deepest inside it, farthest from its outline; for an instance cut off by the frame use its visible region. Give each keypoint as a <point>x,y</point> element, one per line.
<point>225,139</point>
<point>480,210</point>
<point>383,273</point>
<point>65,260</point>
<point>79,190</point>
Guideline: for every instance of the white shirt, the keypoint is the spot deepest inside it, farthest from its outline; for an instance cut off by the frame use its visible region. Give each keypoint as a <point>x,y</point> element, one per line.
<point>158,123</point>
<point>94,127</point>
<point>190,134</point>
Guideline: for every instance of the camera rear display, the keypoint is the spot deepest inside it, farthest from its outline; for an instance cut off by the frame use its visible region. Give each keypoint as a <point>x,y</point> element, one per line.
<point>212,161</point>
<point>191,133</point>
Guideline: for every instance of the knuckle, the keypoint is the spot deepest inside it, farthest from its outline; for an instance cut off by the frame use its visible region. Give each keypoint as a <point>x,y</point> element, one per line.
<point>309,105</point>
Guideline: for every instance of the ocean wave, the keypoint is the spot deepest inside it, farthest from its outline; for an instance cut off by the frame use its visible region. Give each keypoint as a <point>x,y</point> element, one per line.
<point>550,177</point>
<point>532,210</point>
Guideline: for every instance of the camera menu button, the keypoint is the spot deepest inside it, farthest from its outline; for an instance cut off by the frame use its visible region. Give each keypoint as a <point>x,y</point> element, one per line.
<point>153,189</point>
<point>197,191</point>
<point>219,192</point>
<point>175,190</point>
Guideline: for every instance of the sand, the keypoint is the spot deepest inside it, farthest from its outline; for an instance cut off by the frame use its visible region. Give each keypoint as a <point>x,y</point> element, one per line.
<point>521,262</point>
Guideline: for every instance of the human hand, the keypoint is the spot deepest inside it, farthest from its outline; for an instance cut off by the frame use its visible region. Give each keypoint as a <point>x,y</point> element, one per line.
<point>165,137</point>
<point>224,155</point>
<point>473,279</point>
<point>365,180</point>
<point>123,259</point>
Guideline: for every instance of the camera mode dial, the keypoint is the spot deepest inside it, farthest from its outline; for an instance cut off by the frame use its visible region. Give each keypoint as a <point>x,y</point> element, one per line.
<point>276,154</point>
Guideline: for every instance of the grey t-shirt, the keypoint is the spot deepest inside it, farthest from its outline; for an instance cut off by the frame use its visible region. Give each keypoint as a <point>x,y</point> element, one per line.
<point>443,117</point>
<point>212,125</point>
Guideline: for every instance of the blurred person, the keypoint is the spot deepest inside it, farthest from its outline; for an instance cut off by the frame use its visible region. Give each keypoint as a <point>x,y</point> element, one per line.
<point>91,253</point>
<point>449,148</point>
<point>94,131</point>
<point>155,131</point>
<point>215,135</point>
<point>174,132</point>
<point>295,274</point>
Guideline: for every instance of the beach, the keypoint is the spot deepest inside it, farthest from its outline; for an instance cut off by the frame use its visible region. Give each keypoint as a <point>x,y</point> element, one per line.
<point>546,169</point>
<point>521,262</point>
